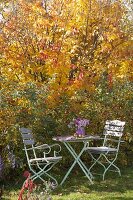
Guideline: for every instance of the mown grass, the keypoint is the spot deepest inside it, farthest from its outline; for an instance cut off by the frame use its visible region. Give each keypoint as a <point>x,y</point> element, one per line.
<point>77,187</point>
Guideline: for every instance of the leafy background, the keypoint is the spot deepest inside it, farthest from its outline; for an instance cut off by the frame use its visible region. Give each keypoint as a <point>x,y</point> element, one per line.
<point>61,60</point>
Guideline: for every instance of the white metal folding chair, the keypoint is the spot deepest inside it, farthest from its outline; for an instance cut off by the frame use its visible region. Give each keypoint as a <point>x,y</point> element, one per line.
<point>106,154</point>
<point>40,165</point>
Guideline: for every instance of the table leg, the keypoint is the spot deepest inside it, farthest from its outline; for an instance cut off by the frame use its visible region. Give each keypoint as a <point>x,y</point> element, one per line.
<point>79,161</point>
<point>77,158</point>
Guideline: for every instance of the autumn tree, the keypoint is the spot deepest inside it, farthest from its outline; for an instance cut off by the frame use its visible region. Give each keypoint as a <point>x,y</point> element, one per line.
<point>68,57</point>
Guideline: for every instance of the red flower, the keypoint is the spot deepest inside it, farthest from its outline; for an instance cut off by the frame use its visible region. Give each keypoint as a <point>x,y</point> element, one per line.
<point>26,174</point>
<point>28,185</point>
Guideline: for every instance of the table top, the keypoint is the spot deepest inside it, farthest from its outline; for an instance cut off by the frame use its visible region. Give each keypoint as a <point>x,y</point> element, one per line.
<point>71,138</point>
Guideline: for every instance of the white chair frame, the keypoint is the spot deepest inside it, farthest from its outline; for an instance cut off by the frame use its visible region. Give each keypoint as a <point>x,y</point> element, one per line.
<point>113,129</point>
<point>40,165</point>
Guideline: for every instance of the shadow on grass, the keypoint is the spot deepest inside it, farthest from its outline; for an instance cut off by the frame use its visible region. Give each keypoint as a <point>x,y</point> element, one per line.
<point>77,183</point>
<point>112,184</point>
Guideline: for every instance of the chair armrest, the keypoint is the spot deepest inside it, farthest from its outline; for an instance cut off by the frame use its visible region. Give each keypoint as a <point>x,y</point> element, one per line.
<point>113,140</point>
<point>47,147</point>
<point>56,151</point>
<point>122,141</point>
<point>43,146</point>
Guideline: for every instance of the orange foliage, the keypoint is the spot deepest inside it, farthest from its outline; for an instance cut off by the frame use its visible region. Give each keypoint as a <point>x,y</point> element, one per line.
<point>66,44</point>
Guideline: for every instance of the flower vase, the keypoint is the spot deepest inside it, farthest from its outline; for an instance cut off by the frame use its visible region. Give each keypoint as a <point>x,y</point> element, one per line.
<point>80,132</point>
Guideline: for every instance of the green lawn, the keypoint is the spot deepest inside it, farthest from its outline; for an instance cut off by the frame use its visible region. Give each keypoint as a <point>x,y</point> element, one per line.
<point>77,187</point>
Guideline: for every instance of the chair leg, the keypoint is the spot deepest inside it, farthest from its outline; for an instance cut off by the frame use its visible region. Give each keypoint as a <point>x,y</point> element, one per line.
<point>48,168</point>
<point>43,171</point>
<point>96,161</point>
<point>51,177</point>
<point>111,164</point>
<point>36,175</point>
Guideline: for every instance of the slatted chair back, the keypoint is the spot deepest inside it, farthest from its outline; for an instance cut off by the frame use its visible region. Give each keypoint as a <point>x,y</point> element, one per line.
<point>113,129</point>
<point>28,142</point>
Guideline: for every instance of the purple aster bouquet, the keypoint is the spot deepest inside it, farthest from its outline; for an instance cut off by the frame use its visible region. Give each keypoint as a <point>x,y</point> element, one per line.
<point>80,125</point>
